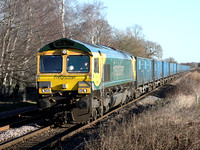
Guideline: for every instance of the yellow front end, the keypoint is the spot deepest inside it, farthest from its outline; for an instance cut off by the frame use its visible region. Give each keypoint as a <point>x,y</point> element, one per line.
<point>63,70</point>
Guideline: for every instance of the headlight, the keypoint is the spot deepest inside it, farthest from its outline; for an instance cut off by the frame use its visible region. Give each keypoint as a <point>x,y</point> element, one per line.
<point>80,90</point>
<point>84,91</point>
<point>47,90</point>
<point>44,90</point>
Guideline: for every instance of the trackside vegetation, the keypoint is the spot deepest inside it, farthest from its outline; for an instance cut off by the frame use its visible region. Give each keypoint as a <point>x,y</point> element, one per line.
<point>175,125</point>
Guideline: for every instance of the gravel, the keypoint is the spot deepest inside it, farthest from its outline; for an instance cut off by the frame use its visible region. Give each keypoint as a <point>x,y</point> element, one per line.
<point>17,132</point>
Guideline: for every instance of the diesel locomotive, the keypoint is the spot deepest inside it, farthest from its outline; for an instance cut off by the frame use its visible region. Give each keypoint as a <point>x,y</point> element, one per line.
<point>80,81</point>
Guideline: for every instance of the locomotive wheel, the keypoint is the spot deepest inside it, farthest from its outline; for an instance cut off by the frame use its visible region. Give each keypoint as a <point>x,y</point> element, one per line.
<point>44,103</point>
<point>137,94</point>
<point>129,98</point>
<point>154,86</point>
<point>150,88</point>
<point>94,114</point>
<point>100,113</point>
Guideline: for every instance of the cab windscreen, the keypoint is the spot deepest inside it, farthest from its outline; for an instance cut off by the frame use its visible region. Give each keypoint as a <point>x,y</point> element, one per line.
<point>50,64</point>
<point>78,64</point>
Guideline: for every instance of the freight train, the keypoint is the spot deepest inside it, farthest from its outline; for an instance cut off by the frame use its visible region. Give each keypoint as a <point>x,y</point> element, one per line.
<point>80,81</point>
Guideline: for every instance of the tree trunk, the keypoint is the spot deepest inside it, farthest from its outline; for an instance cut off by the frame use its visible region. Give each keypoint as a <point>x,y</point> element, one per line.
<point>63,14</point>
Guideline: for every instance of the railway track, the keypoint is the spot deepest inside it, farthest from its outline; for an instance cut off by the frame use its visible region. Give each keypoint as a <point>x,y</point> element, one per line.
<point>47,137</point>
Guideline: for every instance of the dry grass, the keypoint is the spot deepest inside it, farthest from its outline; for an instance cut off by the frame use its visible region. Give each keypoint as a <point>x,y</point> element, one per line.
<point>175,126</point>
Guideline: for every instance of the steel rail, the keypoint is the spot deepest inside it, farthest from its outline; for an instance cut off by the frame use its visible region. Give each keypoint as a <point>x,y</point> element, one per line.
<point>6,127</point>
<point>25,137</point>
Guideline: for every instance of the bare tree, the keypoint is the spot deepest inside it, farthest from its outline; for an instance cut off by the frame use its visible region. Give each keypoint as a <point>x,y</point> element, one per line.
<point>92,24</point>
<point>63,22</point>
<point>60,4</point>
<point>171,60</point>
<point>131,40</point>
<point>84,21</point>
<point>153,50</point>
<point>25,26</point>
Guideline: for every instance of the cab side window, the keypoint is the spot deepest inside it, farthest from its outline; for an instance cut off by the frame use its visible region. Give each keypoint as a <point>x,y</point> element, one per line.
<point>106,72</point>
<point>96,65</point>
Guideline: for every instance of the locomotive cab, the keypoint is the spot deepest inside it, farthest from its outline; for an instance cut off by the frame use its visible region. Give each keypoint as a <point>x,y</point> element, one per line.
<point>64,78</point>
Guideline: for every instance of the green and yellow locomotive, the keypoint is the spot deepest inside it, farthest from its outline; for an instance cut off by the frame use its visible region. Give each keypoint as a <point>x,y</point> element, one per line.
<point>81,81</point>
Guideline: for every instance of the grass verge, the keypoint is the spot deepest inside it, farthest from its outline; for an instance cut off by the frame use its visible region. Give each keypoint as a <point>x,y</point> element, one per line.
<point>175,126</point>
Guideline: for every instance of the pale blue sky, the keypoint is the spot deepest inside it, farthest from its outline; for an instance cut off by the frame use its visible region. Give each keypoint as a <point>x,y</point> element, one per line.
<point>174,24</point>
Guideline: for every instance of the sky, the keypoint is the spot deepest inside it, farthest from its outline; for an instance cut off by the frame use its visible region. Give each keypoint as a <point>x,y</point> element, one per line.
<point>174,24</point>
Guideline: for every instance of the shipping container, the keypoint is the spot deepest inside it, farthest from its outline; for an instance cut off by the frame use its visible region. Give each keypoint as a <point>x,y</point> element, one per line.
<point>157,70</point>
<point>166,71</point>
<point>174,68</point>
<point>178,68</point>
<point>144,70</point>
<point>171,69</point>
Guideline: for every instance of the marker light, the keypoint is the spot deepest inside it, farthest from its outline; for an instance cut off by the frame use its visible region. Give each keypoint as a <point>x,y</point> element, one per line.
<point>64,51</point>
<point>64,86</point>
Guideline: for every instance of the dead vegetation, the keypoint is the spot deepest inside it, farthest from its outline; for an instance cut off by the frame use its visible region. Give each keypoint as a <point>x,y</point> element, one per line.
<point>174,126</point>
